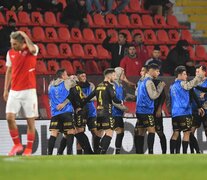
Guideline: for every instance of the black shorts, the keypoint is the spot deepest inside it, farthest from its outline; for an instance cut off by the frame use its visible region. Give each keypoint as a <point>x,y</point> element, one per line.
<point>119,122</point>
<point>92,123</point>
<point>62,122</point>
<point>105,122</point>
<point>158,124</point>
<point>80,120</point>
<point>197,120</point>
<point>182,123</point>
<point>145,121</point>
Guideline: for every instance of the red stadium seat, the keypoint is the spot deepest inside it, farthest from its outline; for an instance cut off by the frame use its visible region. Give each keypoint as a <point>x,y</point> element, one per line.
<point>90,21</point>
<point>41,67</point>
<point>173,22</point>
<point>114,34</point>
<point>37,19</point>
<point>11,14</point>
<point>77,65</point>
<point>99,21</point>
<point>136,21</point>
<point>76,35</point>
<point>24,18</point>
<point>92,68</point>
<point>2,19</point>
<point>53,66</point>
<point>50,19</point>
<point>192,53</point>
<point>103,65</point>
<point>185,34</point>
<point>111,21</point>
<point>64,34</point>
<point>102,53</point>
<point>123,21</point>
<point>129,37</point>
<point>100,35</point>
<point>42,51</point>
<point>77,50</point>
<point>2,66</point>
<point>66,64</point>
<point>38,34</point>
<point>52,51</point>
<point>164,52</point>
<point>90,51</point>
<point>88,36</point>
<point>150,49</point>
<point>51,35</point>
<point>162,37</point>
<point>134,6</point>
<point>150,37</point>
<point>173,36</point>
<point>26,30</point>
<point>148,21</point>
<point>65,51</point>
<point>200,53</point>
<point>159,21</point>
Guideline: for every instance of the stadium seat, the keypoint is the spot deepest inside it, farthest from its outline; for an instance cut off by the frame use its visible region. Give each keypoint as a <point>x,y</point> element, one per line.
<point>129,37</point>
<point>36,18</point>
<point>77,65</point>
<point>162,37</point>
<point>102,53</point>
<point>24,18</point>
<point>52,66</point>
<point>160,22</point>
<point>2,66</point>
<point>88,36</point>
<point>150,49</point>
<point>200,53</point>
<point>64,34</point>
<point>76,35</point>
<point>41,67</point>
<point>103,65</point>
<point>66,64</point>
<point>65,51</point>
<point>77,50</point>
<point>92,68</point>
<point>42,51</point>
<point>150,37</point>
<point>99,21</point>
<point>164,52</point>
<point>111,21</point>
<point>123,21</point>
<point>90,21</point>
<point>134,6</point>
<point>114,34</point>
<point>173,36</point>
<point>50,19</point>
<point>90,51</point>
<point>51,35</point>
<point>52,51</point>
<point>2,19</point>
<point>148,21</point>
<point>11,14</point>
<point>173,22</point>
<point>100,35</point>
<point>185,34</point>
<point>136,21</point>
<point>26,30</point>
<point>38,34</point>
<point>192,53</point>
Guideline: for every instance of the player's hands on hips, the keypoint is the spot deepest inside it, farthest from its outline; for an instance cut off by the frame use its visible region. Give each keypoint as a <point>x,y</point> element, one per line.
<point>5,95</point>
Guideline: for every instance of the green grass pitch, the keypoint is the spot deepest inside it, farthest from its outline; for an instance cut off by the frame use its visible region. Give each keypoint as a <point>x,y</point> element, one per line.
<point>104,167</point>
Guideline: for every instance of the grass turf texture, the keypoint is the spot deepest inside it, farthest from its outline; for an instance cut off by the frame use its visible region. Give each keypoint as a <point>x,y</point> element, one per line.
<point>104,167</point>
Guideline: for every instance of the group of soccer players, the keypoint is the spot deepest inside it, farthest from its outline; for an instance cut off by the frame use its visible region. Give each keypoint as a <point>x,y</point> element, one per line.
<point>72,106</point>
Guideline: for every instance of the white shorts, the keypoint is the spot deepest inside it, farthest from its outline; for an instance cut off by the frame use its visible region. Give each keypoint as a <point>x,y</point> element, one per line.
<point>25,99</point>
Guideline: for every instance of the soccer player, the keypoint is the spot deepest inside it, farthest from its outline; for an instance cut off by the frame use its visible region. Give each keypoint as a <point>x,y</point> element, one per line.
<point>181,108</point>
<point>105,94</point>
<point>62,120</point>
<point>146,94</point>
<point>20,73</point>
<point>118,111</point>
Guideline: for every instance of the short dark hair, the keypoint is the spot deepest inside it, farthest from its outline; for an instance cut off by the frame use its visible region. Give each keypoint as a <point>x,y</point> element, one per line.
<point>199,65</point>
<point>146,67</point>
<point>80,71</point>
<point>153,66</point>
<point>108,71</point>
<point>123,34</point>
<point>179,70</point>
<point>137,34</point>
<point>131,45</point>
<point>59,73</point>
